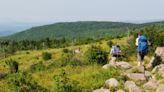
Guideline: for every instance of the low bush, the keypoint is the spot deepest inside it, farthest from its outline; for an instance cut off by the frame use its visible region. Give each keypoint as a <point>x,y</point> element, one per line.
<point>64,84</point>
<point>96,55</point>
<point>110,43</point>
<point>37,67</point>
<point>13,65</point>
<point>23,82</point>
<point>94,79</point>
<point>66,50</point>
<point>46,56</point>
<point>75,62</point>
<point>27,52</point>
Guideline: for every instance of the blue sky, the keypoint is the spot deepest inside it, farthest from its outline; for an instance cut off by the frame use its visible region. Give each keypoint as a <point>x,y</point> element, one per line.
<point>80,10</point>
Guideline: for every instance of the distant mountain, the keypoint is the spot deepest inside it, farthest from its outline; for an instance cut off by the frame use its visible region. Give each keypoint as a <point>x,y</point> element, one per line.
<point>72,30</point>
<point>11,27</point>
<point>143,21</point>
<point>5,33</point>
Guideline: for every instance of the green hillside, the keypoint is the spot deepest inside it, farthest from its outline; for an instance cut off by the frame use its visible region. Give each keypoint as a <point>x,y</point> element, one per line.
<point>56,66</point>
<point>73,30</point>
<point>70,30</point>
<point>65,71</point>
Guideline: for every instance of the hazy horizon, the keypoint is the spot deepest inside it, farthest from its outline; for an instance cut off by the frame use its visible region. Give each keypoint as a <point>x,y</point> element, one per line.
<point>48,11</point>
<point>17,15</point>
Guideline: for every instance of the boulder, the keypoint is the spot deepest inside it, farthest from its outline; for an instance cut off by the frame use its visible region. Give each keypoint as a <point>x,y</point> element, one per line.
<point>101,90</point>
<point>123,65</point>
<point>160,88</point>
<point>136,76</point>
<point>141,69</point>
<point>151,63</point>
<point>160,52</point>
<point>151,84</point>
<point>159,69</point>
<point>129,83</point>
<point>111,83</point>
<point>128,71</point>
<point>113,60</point>
<point>120,90</point>
<point>148,74</point>
<point>132,87</point>
<point>107,66</point>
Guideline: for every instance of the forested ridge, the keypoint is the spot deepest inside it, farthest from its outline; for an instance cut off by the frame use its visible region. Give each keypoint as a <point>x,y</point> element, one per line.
<point>78,30</point>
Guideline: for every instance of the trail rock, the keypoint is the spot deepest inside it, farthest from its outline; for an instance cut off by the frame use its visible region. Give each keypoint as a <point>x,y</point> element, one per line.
<point>151,84</point>
<point>101,90</point>
<point>128,71</point>
<point>111,82</point>
<point>120,90</point>
<point>124,65</point>
<point>132,87</point>
<point>129,83</point>
<point>136,76</point>
<point>160,88</point>
<point>151,62</point>
<point>148,74</point>
<point>107,66</point>
<point>160,52</point>
<point>113,61</point>
<point>159,69</point>
<point>141,69</point>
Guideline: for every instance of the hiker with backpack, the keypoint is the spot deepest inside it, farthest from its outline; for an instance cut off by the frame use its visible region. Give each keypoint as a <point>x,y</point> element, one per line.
<point>142,48</point>
<point>115,52</point>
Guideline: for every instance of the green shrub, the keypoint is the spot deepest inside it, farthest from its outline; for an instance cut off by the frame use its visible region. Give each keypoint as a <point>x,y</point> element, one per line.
<point>66,51</point>
<point>122,78</point>
<point>13,65</point>
<point>23,82</point>
<point>153,34</point>
<point>110,43</point>
<point>159,76</point>
<point>64,84</point>
<point>65,59</point>
<point>37,67</point>
<point>96,55</point>
<point>27,52</point>
<point>69,59</point>
<point>75,62</point>
<point>46,56</point>
<point>157,61</point>
<point>94,79</point>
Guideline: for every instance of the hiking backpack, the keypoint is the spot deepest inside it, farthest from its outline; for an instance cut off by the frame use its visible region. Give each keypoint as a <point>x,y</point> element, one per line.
<point>143,45</point>
<point>115,50</point>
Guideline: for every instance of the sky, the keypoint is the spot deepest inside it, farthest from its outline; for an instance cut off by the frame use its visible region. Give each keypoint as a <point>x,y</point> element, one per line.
<point>80,10</point>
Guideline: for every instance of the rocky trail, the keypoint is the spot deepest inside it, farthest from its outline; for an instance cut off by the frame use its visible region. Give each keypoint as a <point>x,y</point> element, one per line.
<point>137,78</point>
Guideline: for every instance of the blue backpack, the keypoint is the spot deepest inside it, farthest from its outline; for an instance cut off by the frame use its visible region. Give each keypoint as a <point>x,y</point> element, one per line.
<point>143,45</point>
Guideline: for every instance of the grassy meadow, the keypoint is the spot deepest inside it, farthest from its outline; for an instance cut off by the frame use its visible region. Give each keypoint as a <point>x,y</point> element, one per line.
<point>88,77</point>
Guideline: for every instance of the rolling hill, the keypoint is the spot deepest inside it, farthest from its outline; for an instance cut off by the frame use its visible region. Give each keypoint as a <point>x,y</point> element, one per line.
<point>73,30</point>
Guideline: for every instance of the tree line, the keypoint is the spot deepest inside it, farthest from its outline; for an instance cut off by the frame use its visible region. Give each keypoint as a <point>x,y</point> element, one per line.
<point>9,47</point>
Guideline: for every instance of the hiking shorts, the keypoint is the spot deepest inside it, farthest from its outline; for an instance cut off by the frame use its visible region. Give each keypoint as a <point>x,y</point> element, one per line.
<point>140,56</point>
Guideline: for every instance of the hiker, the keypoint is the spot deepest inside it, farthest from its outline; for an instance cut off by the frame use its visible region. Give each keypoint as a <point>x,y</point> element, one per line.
<point>142,48</point>
<point>115,52</point>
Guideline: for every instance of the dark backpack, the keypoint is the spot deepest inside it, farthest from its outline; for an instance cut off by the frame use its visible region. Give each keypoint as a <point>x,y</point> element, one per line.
<point>143,45</point>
